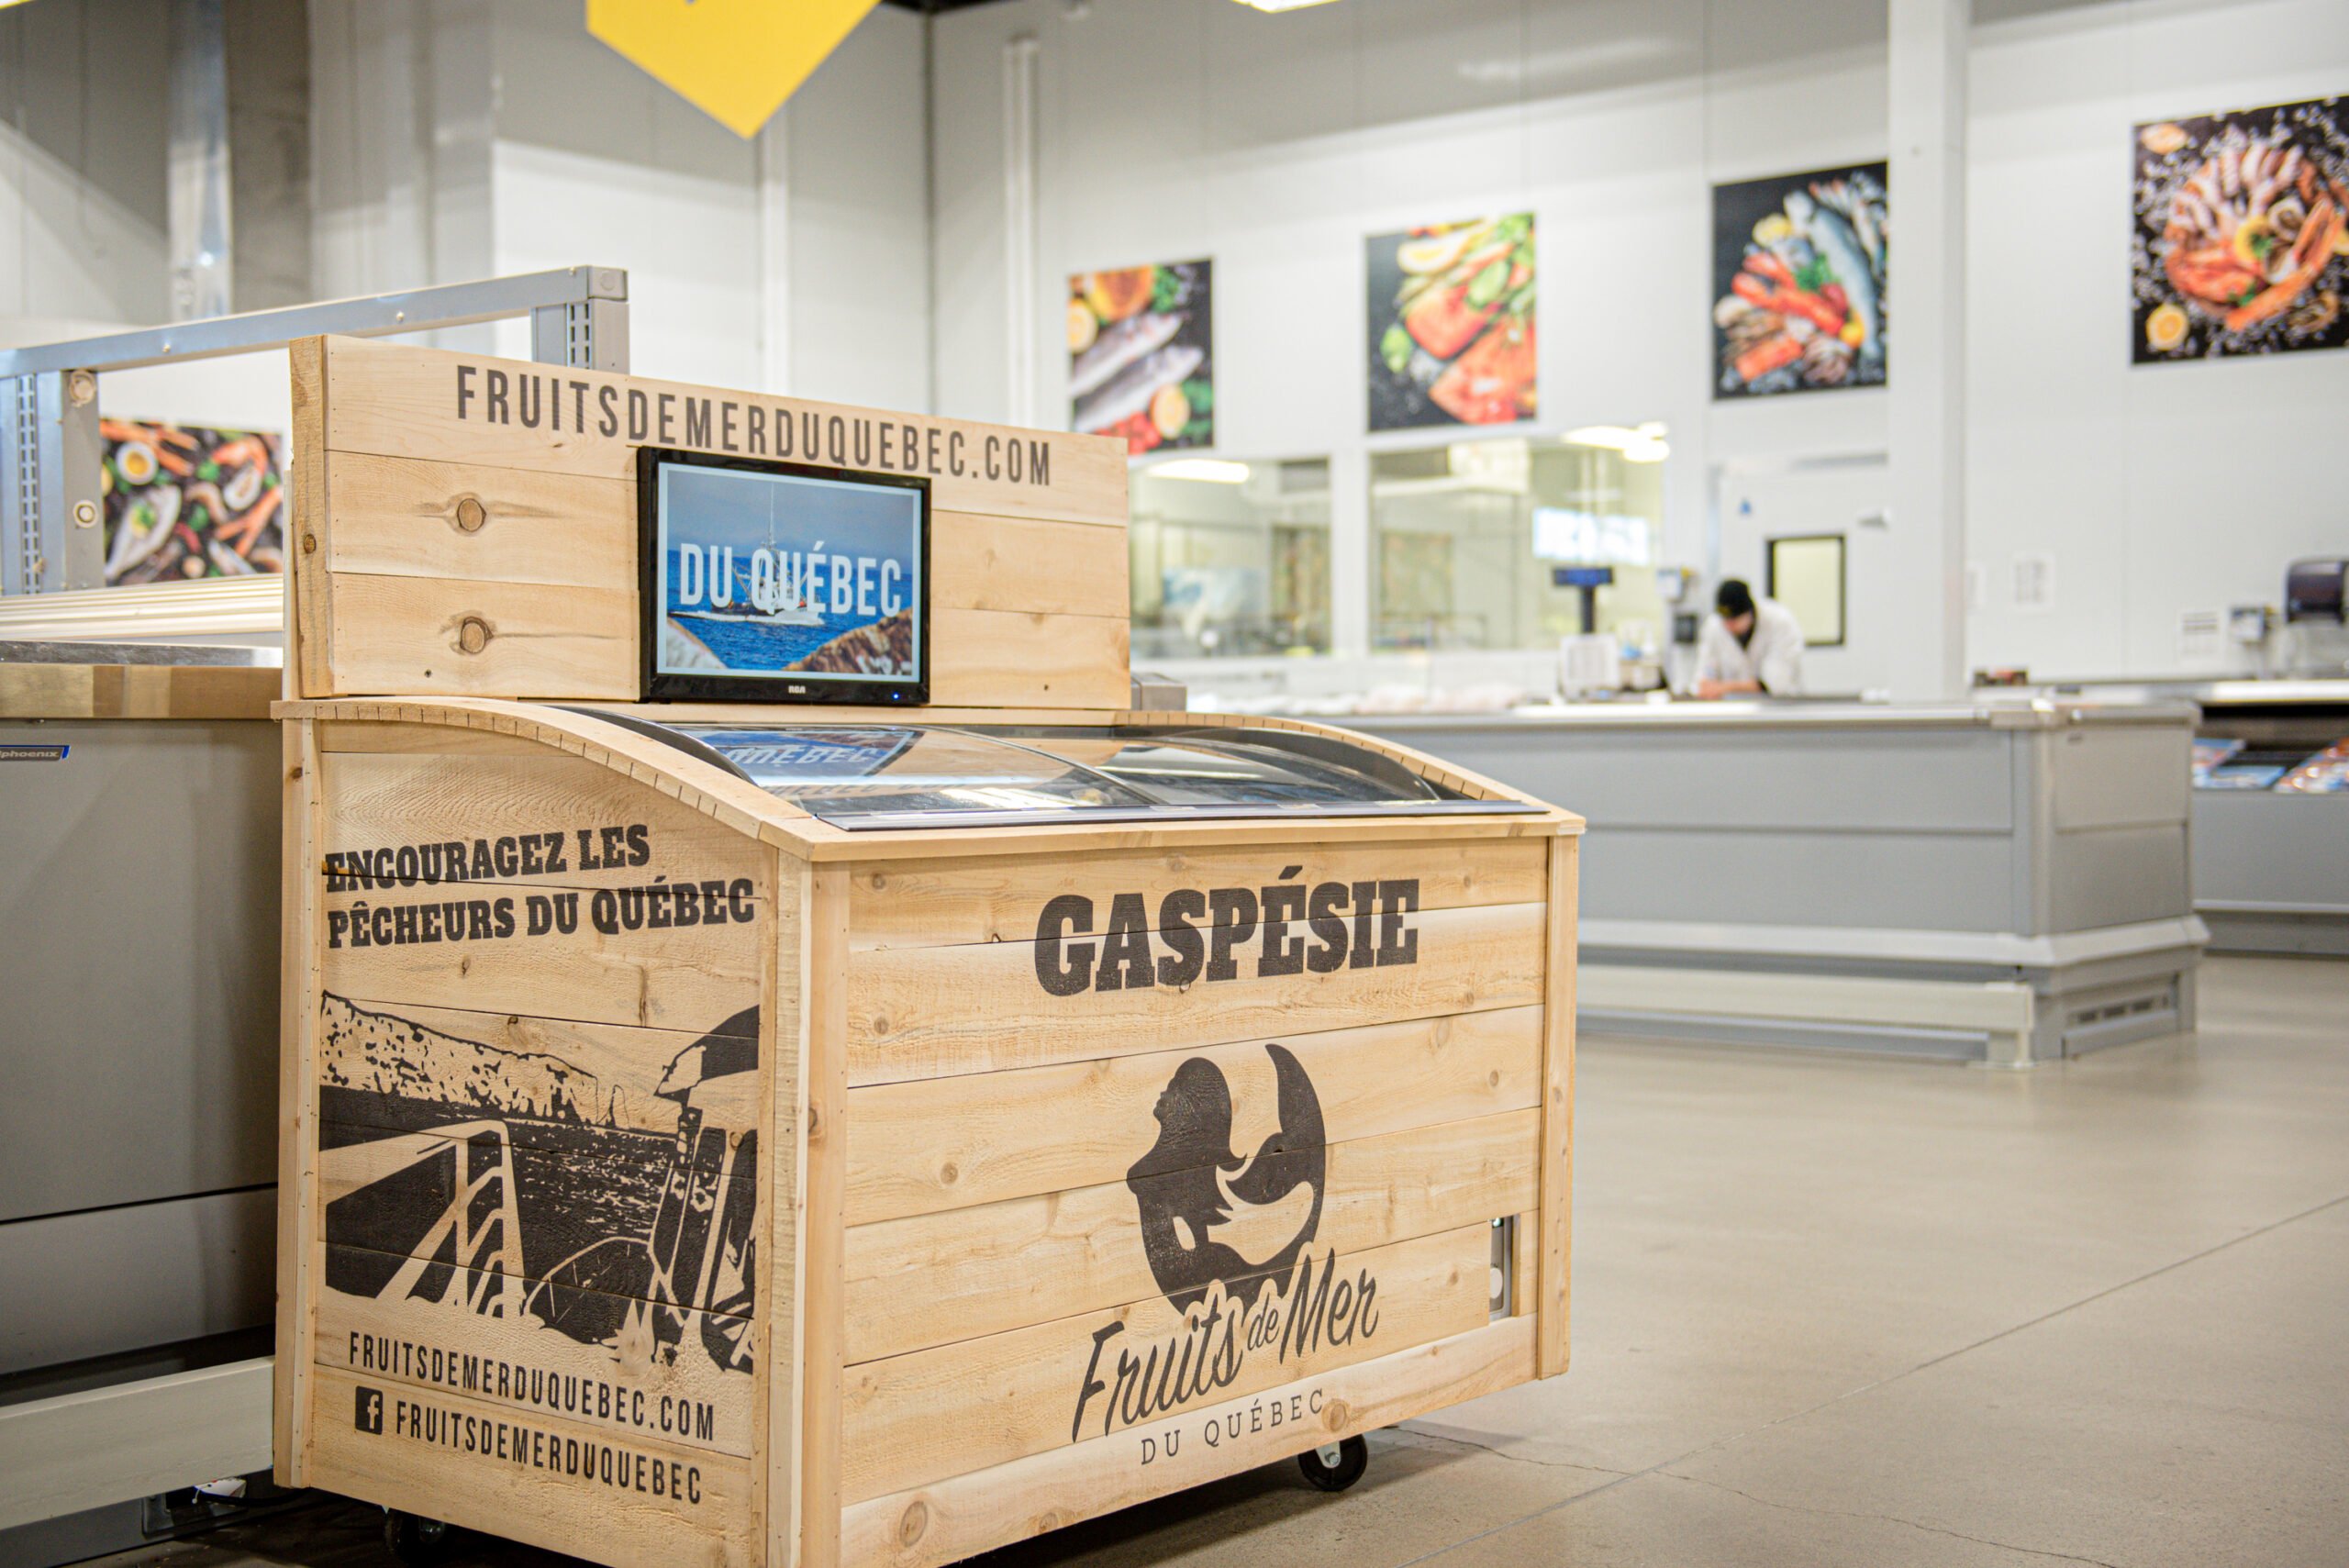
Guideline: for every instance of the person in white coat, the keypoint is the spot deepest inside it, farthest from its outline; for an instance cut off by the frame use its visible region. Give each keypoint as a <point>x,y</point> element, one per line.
<point>1749,647</point>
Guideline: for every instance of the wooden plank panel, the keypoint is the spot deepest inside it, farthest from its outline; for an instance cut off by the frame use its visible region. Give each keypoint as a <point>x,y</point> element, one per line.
<point>932,1012</point>
<point>457,636</point>
<point>692,978</point>
<point>944,1522</point>
<point>298,1207</point>
<point>931,1144</point>
<point>310,618</point>
<point>1012,659</point>
<point>414,517</point>
<point>825,1310</point>
<point>935,1278</point>
<point>399,400</point>
<point>136,691</point>
<point>526,1365</point>
<point>1039,566</point>
<point>1001,899</point>
<point>783,1177</point>
<point>627,1501</point>
<point>937,1413</point>
<point>431,740</point>
<point>407,516</point>
<point>606,827</point>
<point>1558,1110</point>
<point>1525,1264</point>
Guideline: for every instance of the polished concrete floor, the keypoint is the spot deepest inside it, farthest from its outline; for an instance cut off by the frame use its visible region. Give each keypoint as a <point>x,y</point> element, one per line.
<point>1853,1312</point>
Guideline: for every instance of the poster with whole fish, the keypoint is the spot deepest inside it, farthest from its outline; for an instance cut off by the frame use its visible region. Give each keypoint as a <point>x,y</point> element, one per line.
<point>1451,325</point>
<point>1141,355</point>
<point>184,502</point>
<point>2242,237</point>
<point>1798,282</point>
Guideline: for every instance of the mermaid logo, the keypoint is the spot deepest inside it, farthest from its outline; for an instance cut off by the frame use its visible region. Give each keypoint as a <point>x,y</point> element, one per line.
<point>1208,1213</point>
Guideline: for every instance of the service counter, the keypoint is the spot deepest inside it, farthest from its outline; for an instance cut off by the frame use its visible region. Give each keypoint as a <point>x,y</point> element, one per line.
<point>2271,862</point>
<point>2001,881</point>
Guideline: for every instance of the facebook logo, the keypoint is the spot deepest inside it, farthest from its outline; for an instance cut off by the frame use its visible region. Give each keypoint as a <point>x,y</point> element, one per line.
<point>369,1419</point>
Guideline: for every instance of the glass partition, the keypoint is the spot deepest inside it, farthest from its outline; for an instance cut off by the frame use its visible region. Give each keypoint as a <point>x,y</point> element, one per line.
<point>864,777</point>
<point>1489,544</point>
<point>1230,559</point>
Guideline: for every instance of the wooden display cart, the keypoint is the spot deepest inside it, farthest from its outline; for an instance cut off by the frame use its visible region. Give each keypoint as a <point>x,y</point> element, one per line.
<point>677,1170</point>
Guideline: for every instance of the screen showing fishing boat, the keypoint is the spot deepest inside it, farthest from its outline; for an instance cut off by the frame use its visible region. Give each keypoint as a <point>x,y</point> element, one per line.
<point>774,581</point>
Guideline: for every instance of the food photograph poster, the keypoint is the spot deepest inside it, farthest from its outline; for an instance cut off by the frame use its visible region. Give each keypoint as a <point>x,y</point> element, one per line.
<point>186,502</point>
<point>2242,237</point>
<point>1140,355</point>
<point>1798,275</point>
<point>1452,339</point>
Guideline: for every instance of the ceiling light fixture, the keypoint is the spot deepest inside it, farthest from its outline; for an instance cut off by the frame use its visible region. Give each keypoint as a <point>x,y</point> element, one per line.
<point>1282,4</point>
<point>1209,470</point>
<point>1625,438</point>
<point>1620,437</point>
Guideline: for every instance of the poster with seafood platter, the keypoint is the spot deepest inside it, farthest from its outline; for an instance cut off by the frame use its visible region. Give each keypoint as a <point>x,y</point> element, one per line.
<point>1798,276</point>
<point>184,502</point>
<point>1452,339</point>
<point>2242,240</point>
<point>1141,355</point>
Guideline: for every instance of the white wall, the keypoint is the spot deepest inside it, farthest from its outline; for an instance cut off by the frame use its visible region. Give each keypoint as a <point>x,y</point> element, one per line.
<point>594,160</point>
<point>1173,128</point>
<point>83,225</point>
<point>2159,489</point>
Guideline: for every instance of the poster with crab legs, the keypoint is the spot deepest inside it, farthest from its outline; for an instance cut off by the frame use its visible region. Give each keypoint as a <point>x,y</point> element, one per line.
<point>1798,282</point>
<point>184,502</point>
<point>2242,237</point>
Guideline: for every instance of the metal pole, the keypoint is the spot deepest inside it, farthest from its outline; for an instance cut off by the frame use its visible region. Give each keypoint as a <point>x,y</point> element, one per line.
<point>200,233</point>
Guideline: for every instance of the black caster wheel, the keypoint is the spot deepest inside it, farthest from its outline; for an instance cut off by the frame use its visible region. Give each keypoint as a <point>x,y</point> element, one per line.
<point>417,1543</point>
<point>1334,1467</point>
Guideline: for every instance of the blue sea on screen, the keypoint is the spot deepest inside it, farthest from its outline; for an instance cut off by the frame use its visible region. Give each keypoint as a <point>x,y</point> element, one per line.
<point>747,645</point>
<point>739,639</point>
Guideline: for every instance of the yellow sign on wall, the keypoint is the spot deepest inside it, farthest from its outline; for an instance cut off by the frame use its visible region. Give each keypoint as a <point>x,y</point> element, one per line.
<point>736,60</point>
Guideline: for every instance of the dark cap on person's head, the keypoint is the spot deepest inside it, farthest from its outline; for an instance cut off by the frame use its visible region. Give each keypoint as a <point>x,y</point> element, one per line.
<point>1733,598</point>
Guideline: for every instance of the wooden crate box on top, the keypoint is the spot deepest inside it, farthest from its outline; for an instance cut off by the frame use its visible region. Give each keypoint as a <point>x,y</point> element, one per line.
<point>674,1177</point>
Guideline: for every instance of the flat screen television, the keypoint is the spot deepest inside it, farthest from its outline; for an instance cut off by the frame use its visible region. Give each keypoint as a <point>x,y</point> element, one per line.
<point>782,583</point>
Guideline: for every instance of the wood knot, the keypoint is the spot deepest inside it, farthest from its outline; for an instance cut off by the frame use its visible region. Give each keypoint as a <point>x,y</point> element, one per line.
<point>472,635</point>
<point>471,514</point>
<point>950,1172</point>
<point>1334,1415</point>
<point>913,1523</point>
<point>309,544</point>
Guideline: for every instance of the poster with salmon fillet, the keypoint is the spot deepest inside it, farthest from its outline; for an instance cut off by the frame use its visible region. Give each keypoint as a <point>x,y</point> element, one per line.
<point>1452,339</point>
<point>1798,282</point>
<point>1141,355</point>
<point>2241,237</point>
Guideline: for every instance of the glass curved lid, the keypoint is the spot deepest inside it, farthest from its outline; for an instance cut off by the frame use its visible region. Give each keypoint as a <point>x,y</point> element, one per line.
<point>919,776</point>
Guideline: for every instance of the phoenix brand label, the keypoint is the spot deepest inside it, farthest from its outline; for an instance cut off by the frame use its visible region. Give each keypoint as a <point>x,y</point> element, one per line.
<point>1199,933</point>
